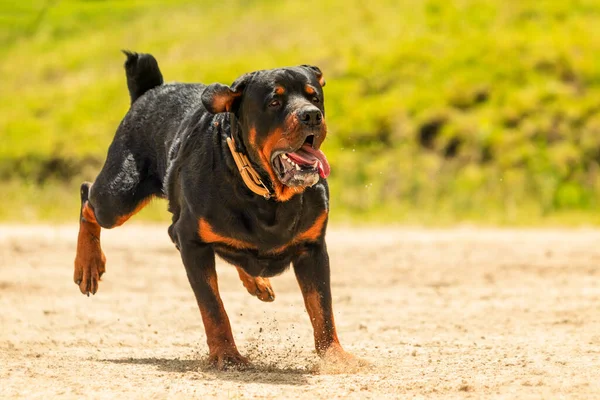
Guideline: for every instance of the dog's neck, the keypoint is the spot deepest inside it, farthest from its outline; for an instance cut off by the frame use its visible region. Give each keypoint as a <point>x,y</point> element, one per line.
<point>249,175</point>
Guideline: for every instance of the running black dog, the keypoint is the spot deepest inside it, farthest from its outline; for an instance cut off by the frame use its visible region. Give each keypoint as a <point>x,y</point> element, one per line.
<point>244,177</point>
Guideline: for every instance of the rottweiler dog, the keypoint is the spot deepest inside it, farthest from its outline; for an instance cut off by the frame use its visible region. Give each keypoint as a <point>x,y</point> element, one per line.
<point>244,177</point>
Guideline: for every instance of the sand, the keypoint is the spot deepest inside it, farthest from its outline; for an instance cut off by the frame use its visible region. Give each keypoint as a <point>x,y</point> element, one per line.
<point>457,313</point>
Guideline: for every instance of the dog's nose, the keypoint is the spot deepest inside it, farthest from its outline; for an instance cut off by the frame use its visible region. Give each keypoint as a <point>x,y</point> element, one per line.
<point>311,116</point>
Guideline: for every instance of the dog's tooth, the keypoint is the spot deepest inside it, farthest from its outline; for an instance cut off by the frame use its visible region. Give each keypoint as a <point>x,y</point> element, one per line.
<point>284,156</point>
<point>297,167</point>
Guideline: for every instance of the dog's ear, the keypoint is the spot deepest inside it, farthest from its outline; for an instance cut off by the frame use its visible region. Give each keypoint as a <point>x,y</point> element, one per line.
<point>218,98</point>
<point>317,71</point>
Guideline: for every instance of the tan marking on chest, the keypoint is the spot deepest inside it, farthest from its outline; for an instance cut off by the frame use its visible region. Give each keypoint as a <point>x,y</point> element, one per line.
<point>208,235</point>
<point>309,235</point>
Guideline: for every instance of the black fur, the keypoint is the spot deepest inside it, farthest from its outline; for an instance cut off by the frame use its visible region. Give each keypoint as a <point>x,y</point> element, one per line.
<point>171,144</point>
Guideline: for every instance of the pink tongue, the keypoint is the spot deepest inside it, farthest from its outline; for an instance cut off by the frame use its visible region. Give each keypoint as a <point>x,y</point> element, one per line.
<point>306,155</point>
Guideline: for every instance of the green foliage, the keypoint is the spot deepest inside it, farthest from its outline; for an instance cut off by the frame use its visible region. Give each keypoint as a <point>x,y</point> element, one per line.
<point>438,111</point>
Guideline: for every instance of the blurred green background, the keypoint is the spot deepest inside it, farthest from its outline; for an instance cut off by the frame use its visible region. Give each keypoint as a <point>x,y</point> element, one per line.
<point>439,112</point>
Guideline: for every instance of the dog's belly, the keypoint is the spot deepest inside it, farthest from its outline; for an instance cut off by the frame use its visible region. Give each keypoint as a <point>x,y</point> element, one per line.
<point>254,263</point>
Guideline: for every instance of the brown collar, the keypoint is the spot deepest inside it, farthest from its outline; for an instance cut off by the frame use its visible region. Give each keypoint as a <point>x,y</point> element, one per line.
<point>249,174</point>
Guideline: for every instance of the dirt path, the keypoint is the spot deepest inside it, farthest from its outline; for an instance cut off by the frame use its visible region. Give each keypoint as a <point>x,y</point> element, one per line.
<point>441,314</point>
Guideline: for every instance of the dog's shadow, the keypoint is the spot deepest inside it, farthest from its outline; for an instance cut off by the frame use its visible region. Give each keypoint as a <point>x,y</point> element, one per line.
<point>256,373</point>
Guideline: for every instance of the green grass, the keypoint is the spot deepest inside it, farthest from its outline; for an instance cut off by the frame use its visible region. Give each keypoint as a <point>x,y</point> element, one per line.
<point>438,111</point>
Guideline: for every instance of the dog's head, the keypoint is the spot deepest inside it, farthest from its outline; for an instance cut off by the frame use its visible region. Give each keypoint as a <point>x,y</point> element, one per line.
<point>282,118</point>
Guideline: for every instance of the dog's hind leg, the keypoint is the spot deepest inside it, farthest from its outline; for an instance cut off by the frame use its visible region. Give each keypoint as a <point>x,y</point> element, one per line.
<point>122,188</point>
<point>90,262</point>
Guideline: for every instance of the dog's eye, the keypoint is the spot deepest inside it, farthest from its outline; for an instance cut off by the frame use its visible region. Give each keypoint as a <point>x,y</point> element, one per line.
<point>316,100</point>
<point>275,103</point>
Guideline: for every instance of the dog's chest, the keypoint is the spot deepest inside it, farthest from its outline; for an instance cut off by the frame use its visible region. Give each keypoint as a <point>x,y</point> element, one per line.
<point>260,249</point>
<point>261,238</point>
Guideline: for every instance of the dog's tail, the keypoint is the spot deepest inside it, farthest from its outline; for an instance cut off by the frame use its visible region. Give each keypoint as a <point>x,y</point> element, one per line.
<point>142,73</point>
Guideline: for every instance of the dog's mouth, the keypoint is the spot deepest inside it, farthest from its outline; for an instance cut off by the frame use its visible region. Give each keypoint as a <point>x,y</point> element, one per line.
<point>301,167</point>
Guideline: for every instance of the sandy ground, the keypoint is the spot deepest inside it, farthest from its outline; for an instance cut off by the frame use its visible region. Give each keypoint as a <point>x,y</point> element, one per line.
<point>463,313</point>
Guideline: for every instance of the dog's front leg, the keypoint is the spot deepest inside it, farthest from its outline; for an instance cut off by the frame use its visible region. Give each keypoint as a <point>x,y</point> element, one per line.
<point>312,273</point>
<point>199,261</point>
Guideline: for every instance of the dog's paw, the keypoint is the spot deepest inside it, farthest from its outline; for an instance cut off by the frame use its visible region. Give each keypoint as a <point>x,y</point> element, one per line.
<point>257,286</point>
<point>261,288</point>
<point>90,264</point>
<point>228,359</point>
